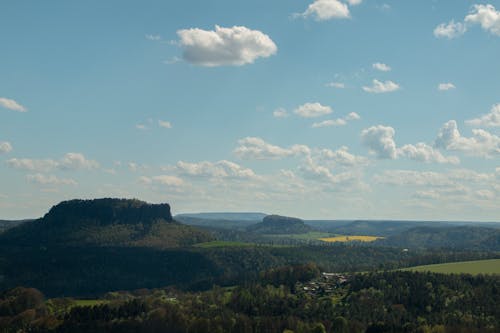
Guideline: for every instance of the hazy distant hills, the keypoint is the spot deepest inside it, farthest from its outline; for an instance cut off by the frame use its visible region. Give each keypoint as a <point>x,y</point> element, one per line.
<point>458,237</point>
<point>105,222</point>
<point>232,216</point>
<point>8,224</point>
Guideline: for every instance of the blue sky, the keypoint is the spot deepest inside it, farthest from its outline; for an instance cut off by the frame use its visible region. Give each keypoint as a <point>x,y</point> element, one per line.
<point>339,109</point>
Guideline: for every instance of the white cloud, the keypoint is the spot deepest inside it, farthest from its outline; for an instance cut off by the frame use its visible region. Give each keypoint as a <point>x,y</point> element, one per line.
<point>446,86</point>
<point>342,157</point>
<point>5,147</point>
<point>379,87</point>
<point>234,46</point>
<point>74,161</point>
<point>217,170</point>
<point>482,143</point>
<point>425,153</point>
<point>485,194</point>
<point>280,113</point>
<point>165,180</point>
<point>450,30</point>
<point>354,2</point>
<point>141,127</point>
<point>164,124</point>
<point>380,141</point>
<point>168,180</point>
<point>416,178</point>
<point>312,110</point>
<point>338,85</point>
<point>70,161</point>
<point>491,119</point>
<point>257,148</point>
<point>487,16</point>
<point>337,122</point>
<point>153,37</point>
<point>312,170</point>
<point>381,67</point>
<point>11,105</point>
<point>32,165</point>
<point>330,122</point>
<point>323,10</point>
<point>49,180</point>
<point>352,116</point>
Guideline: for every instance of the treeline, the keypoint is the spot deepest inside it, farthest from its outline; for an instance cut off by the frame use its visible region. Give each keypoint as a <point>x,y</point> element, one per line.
<point>377,302</point>
<point>55,270</point>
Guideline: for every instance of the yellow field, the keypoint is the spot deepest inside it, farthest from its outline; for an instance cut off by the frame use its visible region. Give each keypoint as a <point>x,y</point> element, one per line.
<point>350,239</point>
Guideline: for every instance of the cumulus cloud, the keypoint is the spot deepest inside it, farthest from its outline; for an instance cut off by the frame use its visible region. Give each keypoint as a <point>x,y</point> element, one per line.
<point>11,105</point>
<point>164,124</point>
<point>233,46</point>
<point>446,86</point>
<point>450,30</point>
<point>379,87</point>
<point>74,161</point>
<point>337,122</point>
<point>342,157</point>
<point>380,141</point>
<point>354,2</point>
<point>257,148</point>
<point>5,147</point>
<point>482,143</point>
<point>425,153</point>
<point>491,119</point>
<point>280,113</point>
<point>70,161</point>
<point>338,85</point>
<point>165,180</point>
<point>323,10</point>
<point>381,67</point>
<point>329,123</point>
<point>217,170</point>
<point>487,16</point>
<point>314,171</point>
<point>484,15</point>
<point>352,116</point>
<point>312,110</point>
<point>41,179</point>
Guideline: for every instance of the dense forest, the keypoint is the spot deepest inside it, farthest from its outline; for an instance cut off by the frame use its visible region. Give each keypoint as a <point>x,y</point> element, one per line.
<point>281,301</point>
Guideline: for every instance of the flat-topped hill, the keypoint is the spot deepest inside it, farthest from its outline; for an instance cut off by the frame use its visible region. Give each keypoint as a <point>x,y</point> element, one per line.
<point>276,224</point>
<point>106,222</point>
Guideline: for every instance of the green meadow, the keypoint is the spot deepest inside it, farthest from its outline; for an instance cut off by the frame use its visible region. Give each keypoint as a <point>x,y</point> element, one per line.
<point>490,266</point>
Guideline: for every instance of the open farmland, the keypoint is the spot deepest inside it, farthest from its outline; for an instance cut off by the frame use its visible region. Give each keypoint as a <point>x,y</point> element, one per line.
<point>344,239</point>
<point>491,266</point>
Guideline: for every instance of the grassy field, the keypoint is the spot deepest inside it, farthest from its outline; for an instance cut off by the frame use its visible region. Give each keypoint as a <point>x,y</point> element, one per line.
<point>491,266</point>
<point>350,239</point>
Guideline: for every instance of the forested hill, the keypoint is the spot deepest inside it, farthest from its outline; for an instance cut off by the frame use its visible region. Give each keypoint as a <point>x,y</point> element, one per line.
<point>463,237</point>
<point>276,224</point>
<point>105,222</point>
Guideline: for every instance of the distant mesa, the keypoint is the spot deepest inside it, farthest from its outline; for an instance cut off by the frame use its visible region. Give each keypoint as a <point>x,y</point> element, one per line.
<point>276,224</point>
<point>106,222</point>
<point>107,211</point>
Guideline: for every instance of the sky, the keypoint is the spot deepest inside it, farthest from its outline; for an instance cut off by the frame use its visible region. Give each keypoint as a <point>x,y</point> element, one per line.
<point>320,109</point>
